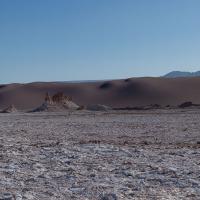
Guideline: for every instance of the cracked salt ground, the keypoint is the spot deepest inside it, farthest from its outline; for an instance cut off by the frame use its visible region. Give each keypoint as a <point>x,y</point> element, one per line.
<point>65,165</point>
<point>106,174</point>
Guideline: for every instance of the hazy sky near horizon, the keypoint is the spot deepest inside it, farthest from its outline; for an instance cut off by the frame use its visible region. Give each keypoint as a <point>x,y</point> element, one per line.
<point>61,40</point>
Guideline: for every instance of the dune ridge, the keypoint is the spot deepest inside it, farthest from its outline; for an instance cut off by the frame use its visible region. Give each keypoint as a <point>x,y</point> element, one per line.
<point>114,93</point>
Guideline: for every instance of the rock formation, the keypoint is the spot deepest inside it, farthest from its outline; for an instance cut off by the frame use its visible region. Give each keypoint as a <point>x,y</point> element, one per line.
<point>60,98</point>
<point>186,104</point>
<point>58,102</point>
<point>10,109</point>
<point>48,99</point>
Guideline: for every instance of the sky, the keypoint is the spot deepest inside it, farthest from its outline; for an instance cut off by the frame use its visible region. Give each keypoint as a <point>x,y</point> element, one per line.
<point>65,40</point>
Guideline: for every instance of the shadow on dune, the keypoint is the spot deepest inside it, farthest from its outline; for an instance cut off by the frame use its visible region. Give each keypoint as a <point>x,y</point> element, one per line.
<point>106,85</point>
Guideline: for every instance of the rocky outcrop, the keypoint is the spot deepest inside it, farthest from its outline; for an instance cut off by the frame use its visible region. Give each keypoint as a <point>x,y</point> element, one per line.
<point>188,104</point>
<point>10,109</point>
<point>57,102</point>
<point>48,99</point>
<point>60,98</point>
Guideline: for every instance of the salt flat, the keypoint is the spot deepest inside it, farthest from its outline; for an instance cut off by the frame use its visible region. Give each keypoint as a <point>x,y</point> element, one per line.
<point>101,155</point>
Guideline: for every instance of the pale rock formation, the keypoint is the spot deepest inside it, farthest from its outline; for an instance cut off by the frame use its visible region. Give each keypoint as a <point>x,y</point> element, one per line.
<point>57,102</point>
<point>10,109</point>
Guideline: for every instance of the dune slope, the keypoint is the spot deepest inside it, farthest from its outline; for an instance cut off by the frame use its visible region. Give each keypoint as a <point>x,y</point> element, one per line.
<point>117,93</point>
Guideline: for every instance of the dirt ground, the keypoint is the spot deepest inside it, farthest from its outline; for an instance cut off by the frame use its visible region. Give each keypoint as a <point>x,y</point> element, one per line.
<point>100,155</point>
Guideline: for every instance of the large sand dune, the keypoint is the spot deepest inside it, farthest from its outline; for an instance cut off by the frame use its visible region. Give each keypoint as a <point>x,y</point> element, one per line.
<point>117,93</point>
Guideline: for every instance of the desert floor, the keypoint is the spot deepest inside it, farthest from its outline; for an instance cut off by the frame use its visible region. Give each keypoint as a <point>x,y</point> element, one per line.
<point>101,155</point>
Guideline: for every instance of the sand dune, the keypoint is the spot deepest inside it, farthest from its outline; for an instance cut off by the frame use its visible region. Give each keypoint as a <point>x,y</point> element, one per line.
<point>117,93</point>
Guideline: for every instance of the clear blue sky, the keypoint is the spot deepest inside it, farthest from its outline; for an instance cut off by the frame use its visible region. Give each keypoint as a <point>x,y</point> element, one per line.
<point>44,40</point>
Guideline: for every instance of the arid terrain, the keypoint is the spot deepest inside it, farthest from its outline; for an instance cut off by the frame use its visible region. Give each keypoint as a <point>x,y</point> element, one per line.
<point>111,155</point>
<point>121,93</point>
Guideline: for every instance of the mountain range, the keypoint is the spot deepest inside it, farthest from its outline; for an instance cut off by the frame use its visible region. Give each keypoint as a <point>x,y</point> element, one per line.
<point>175,74</point>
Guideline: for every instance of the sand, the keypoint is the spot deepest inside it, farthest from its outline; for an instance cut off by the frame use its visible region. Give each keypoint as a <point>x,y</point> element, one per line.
<point>117,93</point>
<point>101,155</point>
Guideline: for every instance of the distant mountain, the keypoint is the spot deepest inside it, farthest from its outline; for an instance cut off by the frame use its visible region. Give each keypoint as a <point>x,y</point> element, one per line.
<point>175,74</point>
